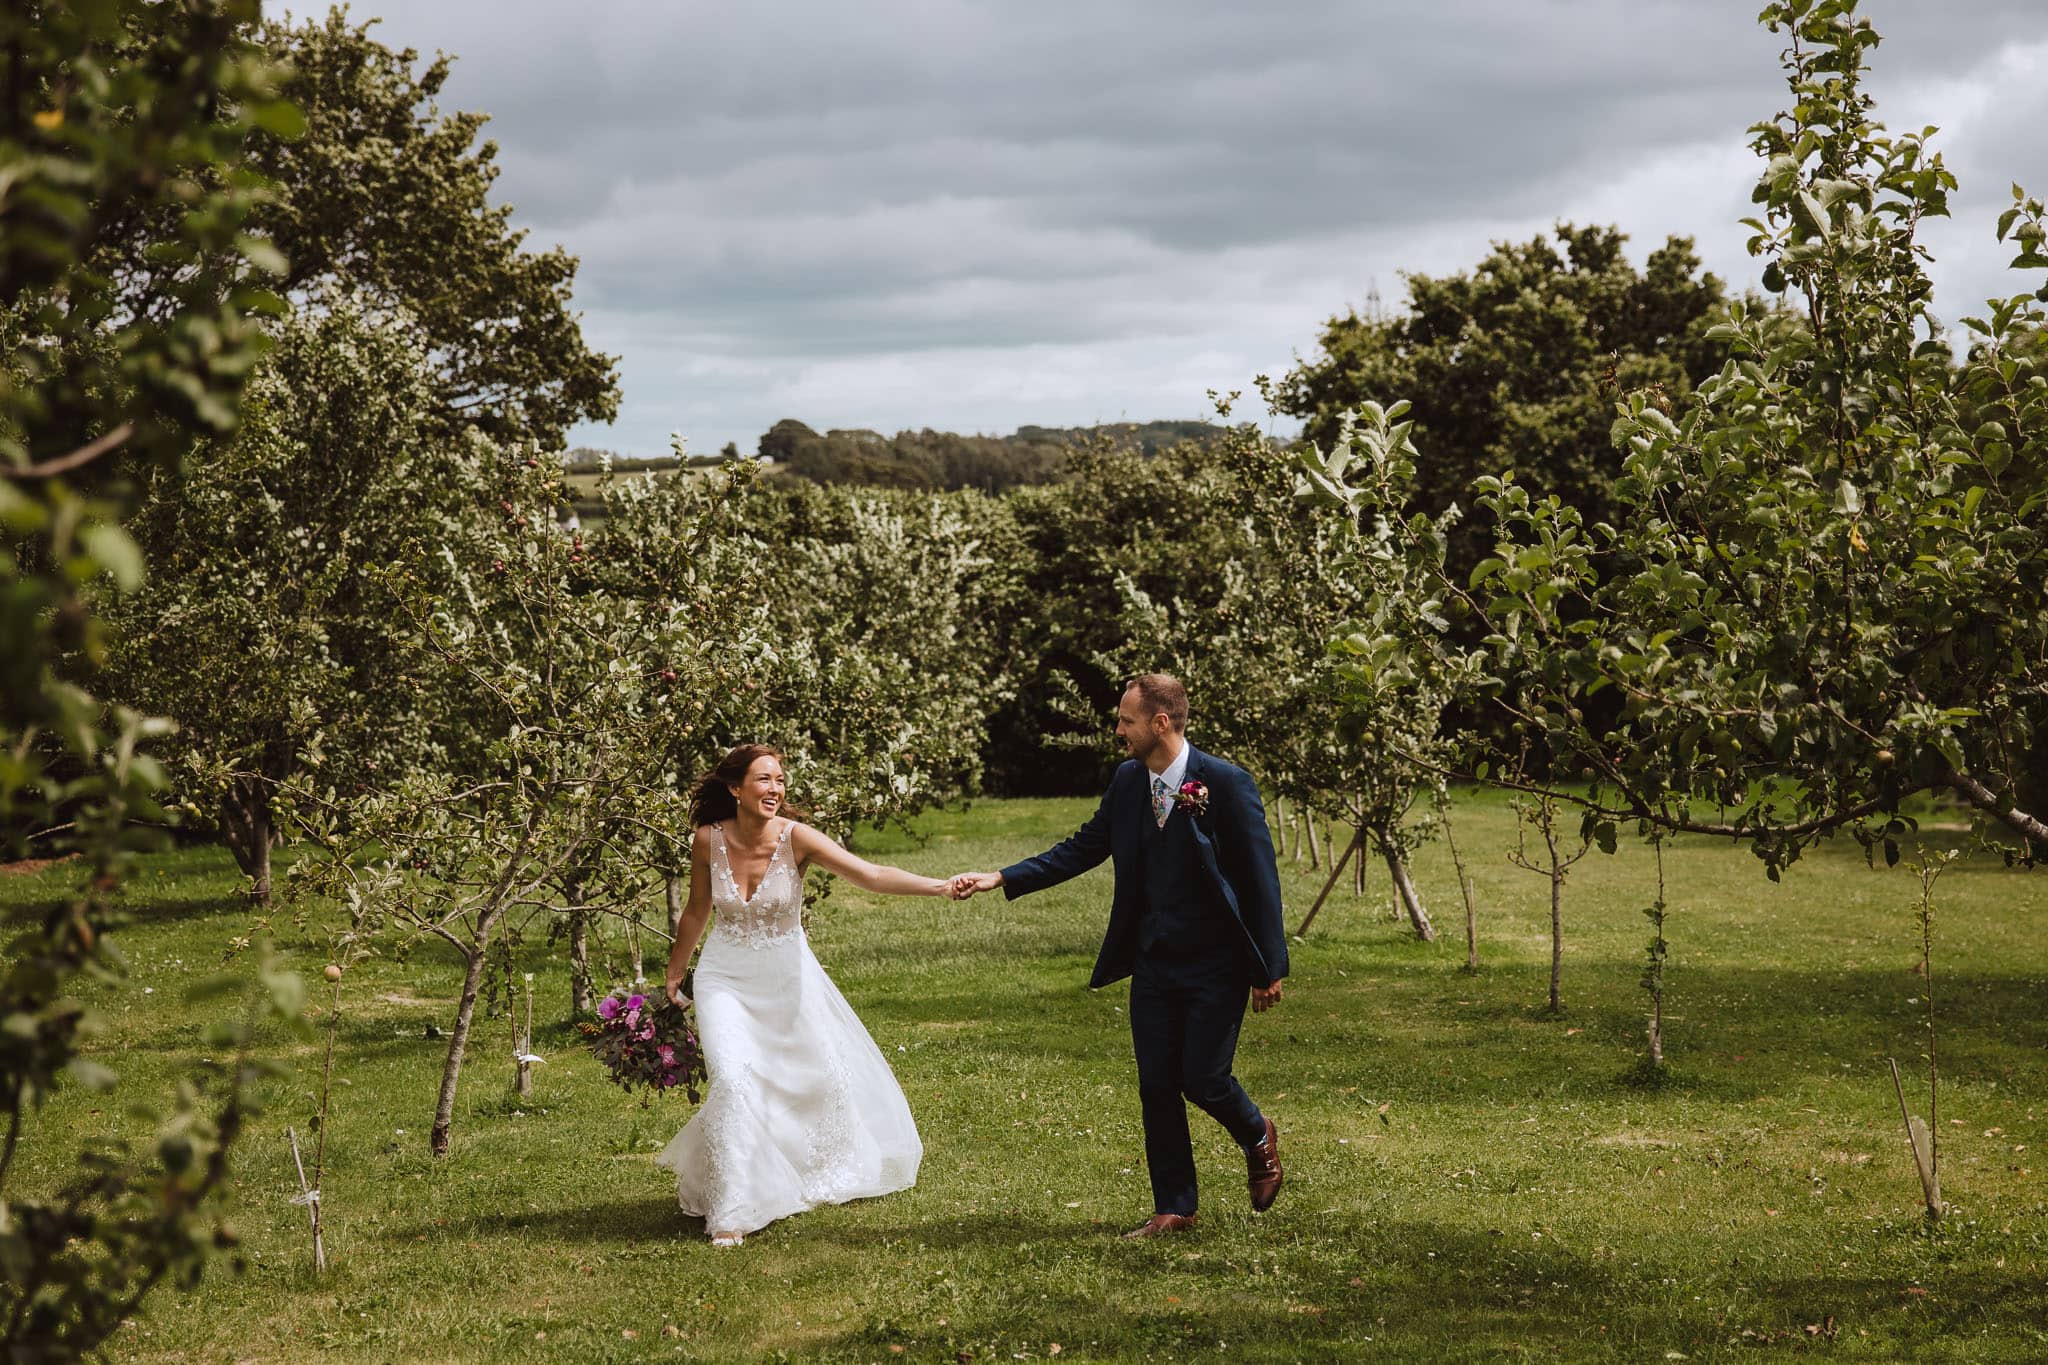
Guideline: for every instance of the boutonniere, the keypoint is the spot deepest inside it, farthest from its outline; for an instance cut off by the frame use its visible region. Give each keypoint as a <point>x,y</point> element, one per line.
<point>1193,798</point>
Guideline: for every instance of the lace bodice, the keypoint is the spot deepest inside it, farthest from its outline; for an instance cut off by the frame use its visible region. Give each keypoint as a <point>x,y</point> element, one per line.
<point>802,1109</point>
<point>776,912</point>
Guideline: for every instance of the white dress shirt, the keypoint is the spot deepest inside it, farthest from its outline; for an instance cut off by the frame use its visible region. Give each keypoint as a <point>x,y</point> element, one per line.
<point>1172,777</point>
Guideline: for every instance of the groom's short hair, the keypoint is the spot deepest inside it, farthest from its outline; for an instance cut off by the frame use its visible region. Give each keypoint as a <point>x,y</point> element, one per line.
<point>1162,695</point>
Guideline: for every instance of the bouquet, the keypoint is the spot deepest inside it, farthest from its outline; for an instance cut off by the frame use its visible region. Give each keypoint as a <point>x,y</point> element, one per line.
<point>646,1041</point>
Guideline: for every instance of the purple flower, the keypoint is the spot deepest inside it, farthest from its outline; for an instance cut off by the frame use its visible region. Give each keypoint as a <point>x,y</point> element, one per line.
<point>667,1054</point>
<point>634,1002</point>
<point>633,1017</point>
<point>608,1008</point>
<point>647,1031</point>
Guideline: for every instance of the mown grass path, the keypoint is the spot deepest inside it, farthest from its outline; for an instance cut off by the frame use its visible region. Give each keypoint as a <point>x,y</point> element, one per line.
<point>1516,1199</point>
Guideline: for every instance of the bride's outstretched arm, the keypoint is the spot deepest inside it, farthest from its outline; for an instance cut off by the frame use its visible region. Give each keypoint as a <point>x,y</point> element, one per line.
<point>696,914</point>
<point>812,846</point>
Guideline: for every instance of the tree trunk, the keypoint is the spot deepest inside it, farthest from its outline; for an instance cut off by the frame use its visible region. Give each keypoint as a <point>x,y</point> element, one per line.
<point>1410,901</point>
<point>1314,854</point>
<point>672,891</point>
<point>636,948</point>
<point>1443,813</point>
<point>575,895</point>
<point>1358,876</point>
<point>458,1037</point>
<point>579,953</point>
<point>1556,936</point>
<point>249,832</point>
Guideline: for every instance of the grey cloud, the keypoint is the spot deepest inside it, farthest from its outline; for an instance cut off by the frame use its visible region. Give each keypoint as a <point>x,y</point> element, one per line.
<point>812,184</point>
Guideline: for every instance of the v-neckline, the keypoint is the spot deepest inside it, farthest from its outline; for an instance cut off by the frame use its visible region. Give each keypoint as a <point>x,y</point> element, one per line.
<point>774,854</point>
<point>1187,773</point>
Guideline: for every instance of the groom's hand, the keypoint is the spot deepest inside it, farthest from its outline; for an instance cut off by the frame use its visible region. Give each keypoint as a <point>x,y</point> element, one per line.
<point>966,884</point>
<point>1265,997</point>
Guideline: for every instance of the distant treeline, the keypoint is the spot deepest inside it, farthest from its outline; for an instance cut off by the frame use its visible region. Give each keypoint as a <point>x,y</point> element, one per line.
<point>930,459</point>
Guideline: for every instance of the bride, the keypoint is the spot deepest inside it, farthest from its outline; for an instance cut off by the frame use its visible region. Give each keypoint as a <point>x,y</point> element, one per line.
<point>802,1110</point>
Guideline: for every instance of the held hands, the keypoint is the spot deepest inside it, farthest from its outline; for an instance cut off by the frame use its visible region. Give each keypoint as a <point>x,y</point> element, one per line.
<point>963,885</point>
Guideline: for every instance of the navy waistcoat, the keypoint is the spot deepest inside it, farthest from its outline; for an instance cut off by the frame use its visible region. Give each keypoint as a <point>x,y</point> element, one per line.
<point>1184,914</point>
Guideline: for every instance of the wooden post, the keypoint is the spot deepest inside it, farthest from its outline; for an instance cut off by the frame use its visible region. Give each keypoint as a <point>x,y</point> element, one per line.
<point>1357,841</point>
<point>309,1195</point>
<point>1922,1142</point>
<point>320,1139</point>
<point>526,1054</point>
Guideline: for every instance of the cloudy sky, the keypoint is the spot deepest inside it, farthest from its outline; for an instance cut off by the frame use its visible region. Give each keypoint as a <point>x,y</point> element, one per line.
<point>911,213</point>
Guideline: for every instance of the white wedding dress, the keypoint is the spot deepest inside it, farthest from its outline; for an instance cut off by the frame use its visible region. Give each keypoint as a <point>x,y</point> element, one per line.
<point>801,1110</point>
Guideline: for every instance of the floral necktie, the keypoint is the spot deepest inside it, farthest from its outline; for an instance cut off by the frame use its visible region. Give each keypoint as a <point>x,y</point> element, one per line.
<point>1162,801</point>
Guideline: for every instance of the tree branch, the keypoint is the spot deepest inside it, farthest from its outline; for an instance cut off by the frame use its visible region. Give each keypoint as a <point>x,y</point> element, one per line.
<point>1986,800</point>
<point>1819,824</point>
<point>84,455</point>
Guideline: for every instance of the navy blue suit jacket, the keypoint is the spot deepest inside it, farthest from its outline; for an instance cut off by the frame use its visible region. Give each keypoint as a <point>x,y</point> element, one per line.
<point>1231,840</point>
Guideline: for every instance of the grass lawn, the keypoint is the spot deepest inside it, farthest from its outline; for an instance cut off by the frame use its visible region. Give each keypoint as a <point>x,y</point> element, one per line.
<point>1514,1199</point>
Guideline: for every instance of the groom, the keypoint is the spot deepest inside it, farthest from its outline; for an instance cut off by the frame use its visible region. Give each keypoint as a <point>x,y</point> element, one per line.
<point>1195,923</point>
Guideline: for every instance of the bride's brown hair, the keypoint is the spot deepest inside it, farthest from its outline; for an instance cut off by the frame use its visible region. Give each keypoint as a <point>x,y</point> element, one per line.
<point>711,798</point>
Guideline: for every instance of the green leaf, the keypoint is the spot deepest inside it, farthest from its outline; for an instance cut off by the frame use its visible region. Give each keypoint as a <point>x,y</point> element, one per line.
<point>91,1074</point>
<point>115,552</point>
<point>1970,501</point>
<point>279,118</point>
<point>262,253</point>
<point>215,987</point>
<point>1810,214</point>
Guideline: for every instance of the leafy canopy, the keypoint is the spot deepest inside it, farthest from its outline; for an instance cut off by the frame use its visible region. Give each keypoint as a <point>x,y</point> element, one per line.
<point>390,199</point>
<point>1820,592</point>
<point>1515,364</point>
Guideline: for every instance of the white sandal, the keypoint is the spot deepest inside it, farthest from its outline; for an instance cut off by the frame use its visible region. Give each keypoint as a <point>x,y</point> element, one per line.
<point>728,1239</point>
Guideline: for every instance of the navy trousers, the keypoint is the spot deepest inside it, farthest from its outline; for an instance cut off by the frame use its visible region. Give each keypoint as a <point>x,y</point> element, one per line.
<point>1185,1017</point>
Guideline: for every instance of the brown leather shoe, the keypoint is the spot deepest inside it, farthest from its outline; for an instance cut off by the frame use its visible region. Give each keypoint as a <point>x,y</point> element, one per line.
<point>1159,1224</point>
<point>1262,1169</point>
